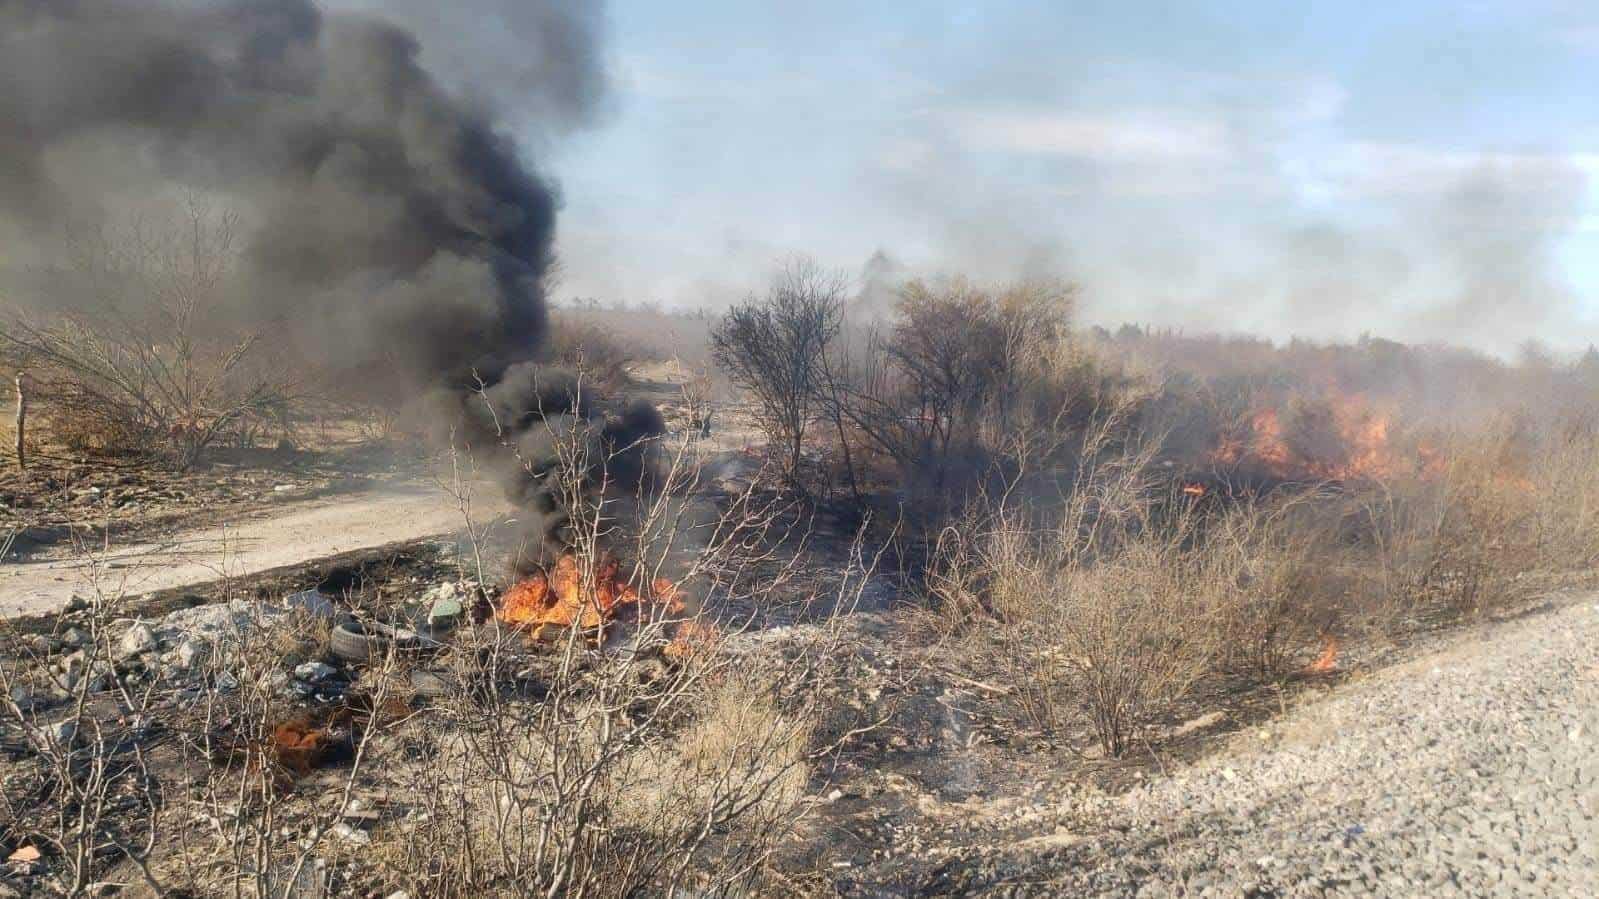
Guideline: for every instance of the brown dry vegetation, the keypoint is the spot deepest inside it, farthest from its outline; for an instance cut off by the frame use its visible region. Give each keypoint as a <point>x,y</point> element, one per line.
<point>1131,514</point>
<point>1097,533</point>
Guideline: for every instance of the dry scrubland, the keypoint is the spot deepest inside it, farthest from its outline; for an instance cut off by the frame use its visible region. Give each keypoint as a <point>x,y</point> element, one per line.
<point>937,558</point>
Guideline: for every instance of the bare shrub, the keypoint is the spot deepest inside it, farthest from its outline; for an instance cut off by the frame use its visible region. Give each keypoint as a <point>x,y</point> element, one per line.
<point>133,347</point>
<point>82,792</point>
<point>1269,563</point>
<point>774,346</point>
<point>1565,495</point>
<point>968,390</point>
<point>1498,512</point>
<point>1136,636</point>
<point>1106,609</point>
<point>575,342</point>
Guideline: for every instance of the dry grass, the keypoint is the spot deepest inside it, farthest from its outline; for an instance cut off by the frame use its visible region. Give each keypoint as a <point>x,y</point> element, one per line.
<point>1108,609</point>
<point>1112,605</point>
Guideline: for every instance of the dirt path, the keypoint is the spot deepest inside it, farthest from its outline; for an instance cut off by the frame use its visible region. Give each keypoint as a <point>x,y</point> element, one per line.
<point>251,543</point>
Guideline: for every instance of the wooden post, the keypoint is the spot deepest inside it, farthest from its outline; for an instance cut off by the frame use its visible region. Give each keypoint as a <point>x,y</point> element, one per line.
<point>22,421</point>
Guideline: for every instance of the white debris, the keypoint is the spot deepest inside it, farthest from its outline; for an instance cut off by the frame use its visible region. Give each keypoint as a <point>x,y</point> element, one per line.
<point>352,834</point>
<point>188,653</point>
<point>314,672</point>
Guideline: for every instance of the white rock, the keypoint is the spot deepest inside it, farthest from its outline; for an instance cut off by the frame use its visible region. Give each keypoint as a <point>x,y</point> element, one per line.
<point>188,654</point>
<point>311,602</point>
<point>314,672</point>
<point>446,590</point>
<point>219,624</point>
<point>352,834</point>
<point>72,665</point>
<point>137,640</point>
<point>58,734</point>
<point>23,697</point>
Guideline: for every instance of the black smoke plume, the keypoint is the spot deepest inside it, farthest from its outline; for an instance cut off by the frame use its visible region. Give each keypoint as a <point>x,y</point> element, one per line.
<point>389,223</point>
<point>387,219</point>
<point>561,453</point>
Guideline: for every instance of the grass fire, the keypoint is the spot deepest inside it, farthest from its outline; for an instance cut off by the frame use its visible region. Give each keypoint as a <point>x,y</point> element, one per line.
<point>565,449</point>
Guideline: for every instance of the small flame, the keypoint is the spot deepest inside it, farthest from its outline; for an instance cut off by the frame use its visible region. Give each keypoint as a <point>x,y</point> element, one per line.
<point>1194,489</point>
<point>691,639</point>
<point>1327,662</point>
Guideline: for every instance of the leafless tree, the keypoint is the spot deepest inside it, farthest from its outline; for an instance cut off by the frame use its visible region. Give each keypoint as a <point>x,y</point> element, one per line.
<point>964,379</point>
<point>774,346</point>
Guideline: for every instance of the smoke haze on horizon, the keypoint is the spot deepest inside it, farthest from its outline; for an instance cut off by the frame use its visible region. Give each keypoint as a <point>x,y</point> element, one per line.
<point>1421,172</point>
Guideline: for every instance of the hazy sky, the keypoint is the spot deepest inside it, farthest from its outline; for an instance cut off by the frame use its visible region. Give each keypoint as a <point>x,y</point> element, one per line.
<point>1417,169</point>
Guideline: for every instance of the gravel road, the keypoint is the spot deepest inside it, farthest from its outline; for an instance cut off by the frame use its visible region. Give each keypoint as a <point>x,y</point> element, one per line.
<point>1468,772</point>
<point>260,541</point>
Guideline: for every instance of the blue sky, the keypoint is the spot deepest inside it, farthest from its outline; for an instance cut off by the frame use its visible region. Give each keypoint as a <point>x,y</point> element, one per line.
<point>1414,169</point>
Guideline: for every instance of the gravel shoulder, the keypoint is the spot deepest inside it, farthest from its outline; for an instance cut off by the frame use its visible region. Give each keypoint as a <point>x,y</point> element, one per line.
<point>239,545</point>
<point>1469,771</point>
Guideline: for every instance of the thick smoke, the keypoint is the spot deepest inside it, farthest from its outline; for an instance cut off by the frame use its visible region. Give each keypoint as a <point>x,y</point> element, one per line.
<point>387,222</point>
<point>387,219</point>
<point>536,63</point>
<point>560,453</point>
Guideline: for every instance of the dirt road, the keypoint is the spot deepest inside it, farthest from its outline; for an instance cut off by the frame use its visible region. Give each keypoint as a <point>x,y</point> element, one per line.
<point>258,541</point>
<point>1469,771</point>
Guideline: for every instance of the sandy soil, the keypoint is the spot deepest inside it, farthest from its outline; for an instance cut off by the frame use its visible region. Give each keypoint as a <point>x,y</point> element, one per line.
<point>247,544</point>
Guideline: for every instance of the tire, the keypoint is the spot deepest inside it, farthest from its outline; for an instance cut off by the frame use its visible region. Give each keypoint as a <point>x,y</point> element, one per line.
<point>351,642</point>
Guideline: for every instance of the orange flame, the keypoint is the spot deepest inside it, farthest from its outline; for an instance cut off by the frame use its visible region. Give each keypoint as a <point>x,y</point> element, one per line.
<point>1269,446</point>
<point>691,639</point>
<point>1327,662</point>
<point>1364,448</point>
<point>558,598</point>
<point>1194,489</point>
